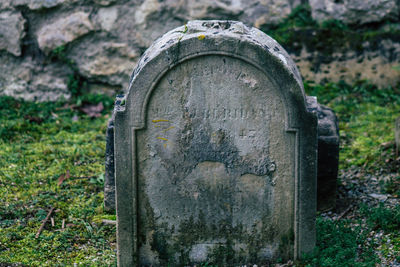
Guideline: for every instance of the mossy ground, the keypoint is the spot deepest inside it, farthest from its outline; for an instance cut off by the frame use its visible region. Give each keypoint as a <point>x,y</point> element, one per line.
<point>41,142</point>
<point>38,144</point>
<point>366,121</point>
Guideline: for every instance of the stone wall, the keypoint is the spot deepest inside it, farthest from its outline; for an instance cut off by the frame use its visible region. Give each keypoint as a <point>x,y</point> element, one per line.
<point>48,47</point>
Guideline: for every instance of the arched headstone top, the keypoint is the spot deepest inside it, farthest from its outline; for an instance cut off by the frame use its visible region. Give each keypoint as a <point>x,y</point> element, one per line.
<point>202,38</point>
<point>215,147</point>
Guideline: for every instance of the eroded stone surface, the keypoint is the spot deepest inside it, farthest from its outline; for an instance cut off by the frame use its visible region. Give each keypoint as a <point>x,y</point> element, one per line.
<point>138,23</point>
<point>107,17</point>
<point>328,154</point>
<point>63,31</point>
<point>397,135</point>
<point>210,148</point>
<point>109,181</point>
<point>354,11</point>
<point>328,158</point>
<point>153,18</point>
<point>104,2</point>
<point>376,66</point>
<point>39,4</point>
<point>106,62</point>
<point>215,151</point>
<point>12,30</point>
<point>33,83</point>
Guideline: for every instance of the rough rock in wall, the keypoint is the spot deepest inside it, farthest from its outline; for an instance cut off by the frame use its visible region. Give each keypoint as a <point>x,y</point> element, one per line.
<point>12,30</point>
<point>376,63</point>
<point>45,45</point>
<point>63,31</point>
<point>355,11</point>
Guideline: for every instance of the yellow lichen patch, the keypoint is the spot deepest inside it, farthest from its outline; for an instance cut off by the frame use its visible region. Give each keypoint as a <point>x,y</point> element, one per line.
<point>160,120</point>
<point>169,128</point>
<point>201,37</point>
<point>165,145</point>
<point>162,138</point>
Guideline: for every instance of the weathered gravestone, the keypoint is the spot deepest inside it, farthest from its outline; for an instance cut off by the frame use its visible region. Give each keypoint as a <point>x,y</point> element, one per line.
<point>215,152</point>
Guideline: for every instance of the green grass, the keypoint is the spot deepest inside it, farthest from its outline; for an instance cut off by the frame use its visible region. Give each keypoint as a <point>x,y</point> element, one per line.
<point>39,142</point>
<point>383,218</point>
<point>366,121</point>
<point>340,245</point>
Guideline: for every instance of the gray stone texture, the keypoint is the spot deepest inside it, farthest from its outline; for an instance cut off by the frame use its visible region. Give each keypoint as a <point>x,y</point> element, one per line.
<point>375,65</point>
<point>107,62</point>
<point>63,31</point>
<point>109,181</point>
<point>328,154</point>
<point>109,178</point>
<point>24,79</point>
<point>328,158</point>
<point>397,135</point>
<point>355,11</point>
<point>105,38</point>
<point>215,150</point>
<point>39,4</point>
<point>12,30</point>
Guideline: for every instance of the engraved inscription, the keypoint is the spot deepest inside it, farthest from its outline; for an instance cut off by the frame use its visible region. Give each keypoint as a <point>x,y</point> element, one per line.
<point>220,113</point>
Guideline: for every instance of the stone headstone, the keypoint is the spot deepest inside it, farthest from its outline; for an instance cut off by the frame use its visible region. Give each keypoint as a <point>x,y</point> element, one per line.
<point>397,135</point>
<point>215,152</point>
<point>328,154</point>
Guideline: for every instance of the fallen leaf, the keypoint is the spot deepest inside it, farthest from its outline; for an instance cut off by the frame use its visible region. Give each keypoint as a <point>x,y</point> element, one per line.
<point>93,111</point>
<point>63,177</point>
<point>387,144</point>
<point>67,106</point>
<point>33,119</point>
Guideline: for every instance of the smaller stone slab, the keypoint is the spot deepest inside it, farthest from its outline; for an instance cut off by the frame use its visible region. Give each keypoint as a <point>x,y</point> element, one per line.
<point>397,135</point>
<point>12,31</point>
<point>328,156</point>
